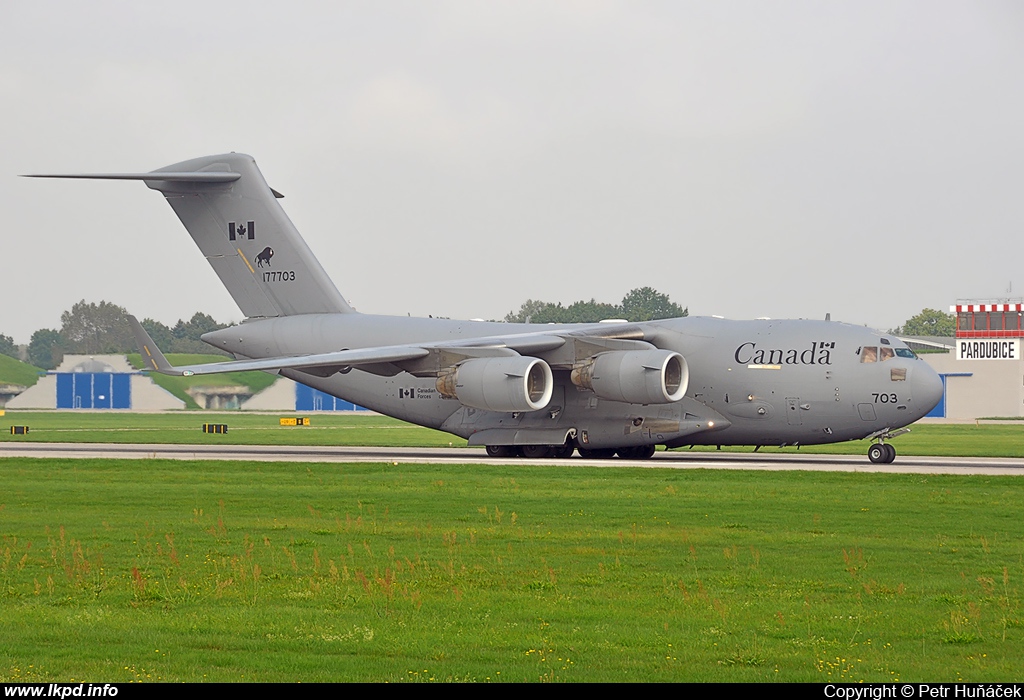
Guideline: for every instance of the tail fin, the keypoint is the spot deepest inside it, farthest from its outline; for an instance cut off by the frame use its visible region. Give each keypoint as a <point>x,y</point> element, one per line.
<point>233,216</point>
<point>249,241</point>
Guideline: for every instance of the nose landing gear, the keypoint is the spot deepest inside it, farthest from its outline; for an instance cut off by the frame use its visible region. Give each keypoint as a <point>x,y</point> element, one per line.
<point>880,452</point>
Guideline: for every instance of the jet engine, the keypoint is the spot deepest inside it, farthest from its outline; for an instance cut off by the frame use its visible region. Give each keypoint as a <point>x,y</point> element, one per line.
<point>634,376</point>
<point>499,383</point>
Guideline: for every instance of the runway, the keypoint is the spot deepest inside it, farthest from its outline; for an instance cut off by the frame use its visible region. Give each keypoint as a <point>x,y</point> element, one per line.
<point>995,466</point>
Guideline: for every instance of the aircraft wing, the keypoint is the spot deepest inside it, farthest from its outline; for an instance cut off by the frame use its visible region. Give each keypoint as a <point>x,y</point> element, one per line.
<point>522,343</point>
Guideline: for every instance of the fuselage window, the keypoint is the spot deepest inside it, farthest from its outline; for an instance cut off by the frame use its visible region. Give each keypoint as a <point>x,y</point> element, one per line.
<point>905,352</point>
<point>869,354</point>
<point>887,354</point>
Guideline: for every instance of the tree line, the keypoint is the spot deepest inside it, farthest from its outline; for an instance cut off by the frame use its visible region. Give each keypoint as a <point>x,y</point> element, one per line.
<point>99,329</point>
<point>642,304</point>
<point>102,329</point>
<point>930,322</point>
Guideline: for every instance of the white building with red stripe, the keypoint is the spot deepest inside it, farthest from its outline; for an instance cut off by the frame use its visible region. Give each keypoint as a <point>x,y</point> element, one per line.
<point>984,375</point>
<point>989,320</point>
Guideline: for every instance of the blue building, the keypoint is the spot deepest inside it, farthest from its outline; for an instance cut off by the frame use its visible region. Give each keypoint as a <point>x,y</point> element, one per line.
<point>287,395</point>
<point>100,382</point>
<point>310,399</point>
<point>94,390</point>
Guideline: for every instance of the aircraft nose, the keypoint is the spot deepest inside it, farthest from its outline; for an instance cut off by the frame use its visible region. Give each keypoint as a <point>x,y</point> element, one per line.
<point>926,388</point>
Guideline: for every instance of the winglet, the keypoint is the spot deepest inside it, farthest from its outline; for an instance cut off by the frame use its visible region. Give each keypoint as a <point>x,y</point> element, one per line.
<point>152,358</point>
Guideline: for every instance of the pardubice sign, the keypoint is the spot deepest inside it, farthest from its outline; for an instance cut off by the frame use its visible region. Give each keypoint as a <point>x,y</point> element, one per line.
<point>988,349</point>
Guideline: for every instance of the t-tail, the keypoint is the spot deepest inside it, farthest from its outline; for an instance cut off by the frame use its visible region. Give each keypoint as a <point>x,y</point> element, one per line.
<point>233,216</point>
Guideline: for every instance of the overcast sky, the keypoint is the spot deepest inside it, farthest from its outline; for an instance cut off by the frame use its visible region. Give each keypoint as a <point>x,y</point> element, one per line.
<point>781,159</point>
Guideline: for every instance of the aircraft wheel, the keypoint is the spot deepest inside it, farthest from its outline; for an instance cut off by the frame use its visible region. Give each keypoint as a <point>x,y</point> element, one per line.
<point>644,452</point>
<point>596,454</point>
<point>535,451</point>
<point>890,454</point>
<point>877,453</point>
<point>626,452</point>
<point>501,451</point>
<point>565,451</point>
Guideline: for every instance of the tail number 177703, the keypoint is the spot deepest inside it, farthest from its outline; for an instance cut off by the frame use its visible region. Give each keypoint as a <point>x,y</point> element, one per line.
<point>279,276</point>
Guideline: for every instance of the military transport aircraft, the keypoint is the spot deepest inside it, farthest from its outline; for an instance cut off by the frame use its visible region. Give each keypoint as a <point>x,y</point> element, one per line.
<point>532,390</point>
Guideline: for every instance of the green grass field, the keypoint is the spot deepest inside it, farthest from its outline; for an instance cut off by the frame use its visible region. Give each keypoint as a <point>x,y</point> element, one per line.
<point>222,571</point>
<point>227,571</point>
<point>14,372</point>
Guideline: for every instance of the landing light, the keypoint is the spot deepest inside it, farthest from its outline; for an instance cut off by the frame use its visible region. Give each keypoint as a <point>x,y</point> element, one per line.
<point>711,424</point>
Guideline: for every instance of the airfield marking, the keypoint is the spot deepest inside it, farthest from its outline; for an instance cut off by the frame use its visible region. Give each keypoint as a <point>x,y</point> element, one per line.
<point>992,466</point>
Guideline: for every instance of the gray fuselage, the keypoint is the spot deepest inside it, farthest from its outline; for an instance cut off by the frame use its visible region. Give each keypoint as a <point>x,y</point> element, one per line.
<point>761,382</point>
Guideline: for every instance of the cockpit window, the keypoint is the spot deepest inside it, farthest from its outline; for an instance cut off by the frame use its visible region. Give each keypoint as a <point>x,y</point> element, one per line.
<point>871,353</point>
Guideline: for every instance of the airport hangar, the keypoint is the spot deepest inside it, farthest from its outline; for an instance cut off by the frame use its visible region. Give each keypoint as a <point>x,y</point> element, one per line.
<point>109,382</point>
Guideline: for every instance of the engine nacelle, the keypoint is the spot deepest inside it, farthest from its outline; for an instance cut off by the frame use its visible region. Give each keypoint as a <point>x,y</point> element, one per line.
<point>499,383</point>
<point>634,376</point>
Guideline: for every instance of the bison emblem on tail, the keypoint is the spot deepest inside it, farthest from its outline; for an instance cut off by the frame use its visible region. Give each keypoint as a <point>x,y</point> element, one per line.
<point>264,257</point>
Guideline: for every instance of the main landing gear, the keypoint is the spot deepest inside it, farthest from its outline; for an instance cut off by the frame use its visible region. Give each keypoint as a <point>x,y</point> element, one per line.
<point>531,451</point>
<point>881,453</point>
<point>566,450</point>
<point>641,452</point>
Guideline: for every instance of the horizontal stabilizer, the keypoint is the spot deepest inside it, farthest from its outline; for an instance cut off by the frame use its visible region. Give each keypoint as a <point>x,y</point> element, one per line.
<point>235,219</point>
<point>211,177</point>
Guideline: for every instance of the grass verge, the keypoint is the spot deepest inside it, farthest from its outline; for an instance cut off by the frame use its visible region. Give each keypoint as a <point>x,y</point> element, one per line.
<point>243,428</point>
